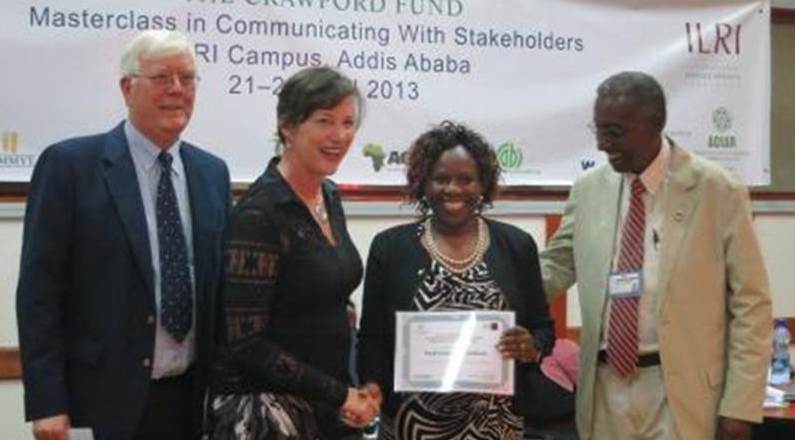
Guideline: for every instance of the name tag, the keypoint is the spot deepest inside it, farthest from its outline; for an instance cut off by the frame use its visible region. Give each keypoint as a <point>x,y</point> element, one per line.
<point>625,284</point>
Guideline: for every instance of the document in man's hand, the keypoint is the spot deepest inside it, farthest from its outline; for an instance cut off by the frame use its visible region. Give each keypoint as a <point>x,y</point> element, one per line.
<point>81,434</point>
<point>452,352</point>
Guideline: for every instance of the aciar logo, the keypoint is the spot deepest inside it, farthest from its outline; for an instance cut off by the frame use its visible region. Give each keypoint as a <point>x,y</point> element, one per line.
<point>722,122</point>
<point>509,156</point>
<point>376,153</point>
<point>722,119</point>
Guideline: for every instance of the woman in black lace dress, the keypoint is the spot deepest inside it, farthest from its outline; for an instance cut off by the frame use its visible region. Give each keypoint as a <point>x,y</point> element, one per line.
<point>291,266</point>
<point>452,259</point>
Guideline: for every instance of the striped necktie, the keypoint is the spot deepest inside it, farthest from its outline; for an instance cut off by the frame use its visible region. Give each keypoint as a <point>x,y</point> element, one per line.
<point>622,331</point>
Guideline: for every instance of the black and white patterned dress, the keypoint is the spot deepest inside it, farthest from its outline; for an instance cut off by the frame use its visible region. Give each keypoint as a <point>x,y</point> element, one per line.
<point>453,416</point>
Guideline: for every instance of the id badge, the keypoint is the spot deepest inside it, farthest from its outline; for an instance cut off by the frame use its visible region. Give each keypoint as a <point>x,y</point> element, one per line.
<point>625,284</point>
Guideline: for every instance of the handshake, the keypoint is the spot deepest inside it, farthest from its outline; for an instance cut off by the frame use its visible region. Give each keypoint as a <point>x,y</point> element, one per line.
<point>361,406</point>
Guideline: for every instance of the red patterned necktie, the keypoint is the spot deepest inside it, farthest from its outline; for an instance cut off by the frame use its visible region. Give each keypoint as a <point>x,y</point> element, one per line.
<point>622,332</point>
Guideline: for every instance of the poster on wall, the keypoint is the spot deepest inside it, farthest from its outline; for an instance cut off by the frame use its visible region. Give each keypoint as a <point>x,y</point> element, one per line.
<point>521,72</point>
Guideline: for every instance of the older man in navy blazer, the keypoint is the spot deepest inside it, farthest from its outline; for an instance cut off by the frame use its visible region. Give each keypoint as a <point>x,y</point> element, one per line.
<point>121,260</point>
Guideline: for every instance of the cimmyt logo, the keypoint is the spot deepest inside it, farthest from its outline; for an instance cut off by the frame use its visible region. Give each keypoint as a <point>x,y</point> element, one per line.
<point>10,157</point>
<point>10,142</point>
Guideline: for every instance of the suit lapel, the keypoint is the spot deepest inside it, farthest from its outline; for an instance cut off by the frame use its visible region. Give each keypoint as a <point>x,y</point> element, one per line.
<point>199,212</point>
<point>501,269</point>
<point>601,209</point>
<point>123,185</point>
<point>680,201</point>
<point>417,262</point>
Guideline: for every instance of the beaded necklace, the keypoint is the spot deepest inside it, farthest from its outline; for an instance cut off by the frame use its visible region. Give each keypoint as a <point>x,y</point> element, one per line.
<point>454,264</point>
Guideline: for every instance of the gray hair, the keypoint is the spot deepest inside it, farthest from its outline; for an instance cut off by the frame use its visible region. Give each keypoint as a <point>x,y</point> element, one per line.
<point>312,89</point>
<point>640,88</point>
<point>153,43</point>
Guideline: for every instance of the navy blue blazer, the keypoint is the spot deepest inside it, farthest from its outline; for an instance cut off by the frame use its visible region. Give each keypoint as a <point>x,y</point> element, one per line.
<point>85,299</point>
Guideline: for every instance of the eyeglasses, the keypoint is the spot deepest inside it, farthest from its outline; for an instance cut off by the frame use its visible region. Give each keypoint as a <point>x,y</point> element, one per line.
<point>611,132</point>
<point>165,80</point>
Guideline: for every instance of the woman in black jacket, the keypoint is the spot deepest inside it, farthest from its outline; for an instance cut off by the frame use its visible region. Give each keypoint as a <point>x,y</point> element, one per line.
<point>452,259</point>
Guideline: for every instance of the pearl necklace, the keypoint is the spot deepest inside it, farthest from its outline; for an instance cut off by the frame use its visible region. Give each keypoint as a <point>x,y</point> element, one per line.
<point>454,264</point>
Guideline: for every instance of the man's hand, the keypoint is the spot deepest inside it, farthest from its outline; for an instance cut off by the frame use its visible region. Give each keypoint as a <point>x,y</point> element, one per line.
<point>52,428</point>
<point>733,429</point>
<point>374,391</point>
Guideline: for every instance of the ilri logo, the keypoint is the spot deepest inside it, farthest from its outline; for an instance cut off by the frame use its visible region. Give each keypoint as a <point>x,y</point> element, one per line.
<point>713,39</point>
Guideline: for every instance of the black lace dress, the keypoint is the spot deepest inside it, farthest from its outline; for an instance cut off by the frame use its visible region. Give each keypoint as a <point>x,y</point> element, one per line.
<point>283,370</point>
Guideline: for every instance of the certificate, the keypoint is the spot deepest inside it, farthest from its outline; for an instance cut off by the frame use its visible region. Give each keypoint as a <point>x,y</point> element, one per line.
<point>452,352</point>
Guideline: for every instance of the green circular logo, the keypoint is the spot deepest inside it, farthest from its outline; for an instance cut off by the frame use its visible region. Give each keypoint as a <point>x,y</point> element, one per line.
<point>509,156</point>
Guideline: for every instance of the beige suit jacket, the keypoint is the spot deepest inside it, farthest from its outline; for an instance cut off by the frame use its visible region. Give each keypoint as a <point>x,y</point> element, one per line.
<point>714,312</point>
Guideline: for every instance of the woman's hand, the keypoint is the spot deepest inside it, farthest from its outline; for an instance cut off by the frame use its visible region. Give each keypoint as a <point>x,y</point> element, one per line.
<point>361,406</point>
<point>517,343</point>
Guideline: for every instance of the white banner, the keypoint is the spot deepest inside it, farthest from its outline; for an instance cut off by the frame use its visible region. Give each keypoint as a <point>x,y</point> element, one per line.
<point>521,72</point>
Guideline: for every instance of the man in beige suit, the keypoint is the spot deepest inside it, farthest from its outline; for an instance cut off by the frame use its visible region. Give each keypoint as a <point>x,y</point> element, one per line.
<point>700,315</point>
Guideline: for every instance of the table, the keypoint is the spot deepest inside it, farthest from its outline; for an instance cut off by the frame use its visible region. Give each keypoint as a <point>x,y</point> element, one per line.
<point>787,413</point>
<point>779,423</point>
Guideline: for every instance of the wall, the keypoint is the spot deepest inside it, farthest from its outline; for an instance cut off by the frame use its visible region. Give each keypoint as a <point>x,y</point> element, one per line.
<point>774,222</point>
<point>10,244</point>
